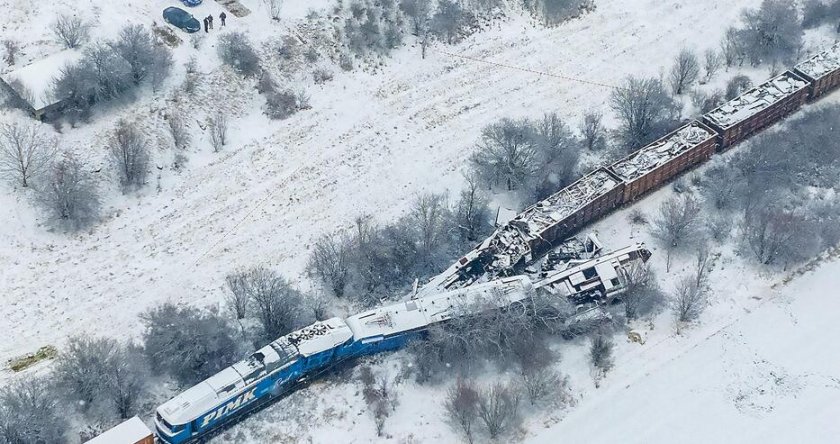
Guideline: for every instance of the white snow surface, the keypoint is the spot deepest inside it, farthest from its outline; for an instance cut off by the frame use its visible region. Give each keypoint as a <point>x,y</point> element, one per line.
<point>37,77</point>
<point>760,358</point>
<point>131,431</point>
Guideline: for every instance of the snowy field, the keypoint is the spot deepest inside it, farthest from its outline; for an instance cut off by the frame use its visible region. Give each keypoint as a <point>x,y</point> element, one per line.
<point>759,366</point>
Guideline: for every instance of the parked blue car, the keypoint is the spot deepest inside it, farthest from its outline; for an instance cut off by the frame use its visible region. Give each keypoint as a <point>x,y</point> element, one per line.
<point>182,19</point>
<point>191,2</point>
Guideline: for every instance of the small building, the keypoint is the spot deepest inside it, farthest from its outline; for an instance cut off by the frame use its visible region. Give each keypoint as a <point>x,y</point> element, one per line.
<point>31,86</point>
<point>132,431</point>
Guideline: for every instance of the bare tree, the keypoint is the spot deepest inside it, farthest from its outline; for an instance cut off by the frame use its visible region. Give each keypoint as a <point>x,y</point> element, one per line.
<point>702,263</point>
<point>641,295</point>
<point>71,30</point>
<point>645,111</point>
<point>239,298</point>
<point>737,85</point>
<point>770,233</point>
<point>462,406</point>
<point>419,11</point>
<point>689,299</point>
<point>70,194</point>
<point>498,408</point>
<point>12,48</point>
<point>472,216</point>
<point>541,383</point>
<point>187,343</point>
<point>160,65</point>
<point>329,262</point>
<point>677,225</point>
<point>218,127</point>
<point>25,151</point>
<point>274,8</point>
<point>448,20</point>
<point>279,307</point>
<point>684,72</point>
<point>772,33</point>
<point>600,353</point>
<point>135,45</point>
<point>506,154</point>
<point>731,48</point>
<point>430,216</point>
<point>712,63</point>
<point>125,380</point>
<point>30,413</point>
<point>80,369</point>
<point>130,154</point>
<point>594,133</point>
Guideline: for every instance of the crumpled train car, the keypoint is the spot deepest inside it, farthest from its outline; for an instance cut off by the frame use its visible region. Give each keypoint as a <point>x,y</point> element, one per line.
<point>822,70</point>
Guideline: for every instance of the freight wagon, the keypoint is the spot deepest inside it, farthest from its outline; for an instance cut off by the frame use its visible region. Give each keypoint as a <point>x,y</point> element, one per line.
<point>757,108</point>
<point>659,162</point>
<point>822,70</point>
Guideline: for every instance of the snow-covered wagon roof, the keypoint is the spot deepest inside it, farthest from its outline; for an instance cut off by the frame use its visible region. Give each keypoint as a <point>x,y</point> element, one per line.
<point>821,63</point>
<point>756,99</point>
<point>129,432</point>
<point>663,150</point>
<point>419,313</point>
<point>34,82</point>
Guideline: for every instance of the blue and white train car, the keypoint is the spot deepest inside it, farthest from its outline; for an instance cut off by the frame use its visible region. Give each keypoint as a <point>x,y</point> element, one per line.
<point>247,384</point>
<point>393,326</point>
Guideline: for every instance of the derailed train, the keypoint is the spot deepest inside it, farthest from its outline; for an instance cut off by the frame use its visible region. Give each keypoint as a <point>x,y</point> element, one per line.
<point>305,354</point>
<point>528,236</point>
<point>487,273</point>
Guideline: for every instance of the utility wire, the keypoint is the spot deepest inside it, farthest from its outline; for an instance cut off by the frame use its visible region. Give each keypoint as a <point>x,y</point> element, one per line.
<point>519,68</point>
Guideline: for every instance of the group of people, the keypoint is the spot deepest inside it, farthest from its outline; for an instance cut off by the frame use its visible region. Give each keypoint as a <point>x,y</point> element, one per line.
<point>208,21</point>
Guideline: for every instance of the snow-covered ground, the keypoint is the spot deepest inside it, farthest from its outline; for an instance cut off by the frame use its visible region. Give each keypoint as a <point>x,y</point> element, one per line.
<point>370,144</point>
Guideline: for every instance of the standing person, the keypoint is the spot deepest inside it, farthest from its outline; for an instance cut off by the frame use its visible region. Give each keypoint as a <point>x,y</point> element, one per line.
<point>206,24</point>
<point>210,19</point>
<point>222,17</point>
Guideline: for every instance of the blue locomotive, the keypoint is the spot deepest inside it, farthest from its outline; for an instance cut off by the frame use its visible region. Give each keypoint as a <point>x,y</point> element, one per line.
<point>304,354</point>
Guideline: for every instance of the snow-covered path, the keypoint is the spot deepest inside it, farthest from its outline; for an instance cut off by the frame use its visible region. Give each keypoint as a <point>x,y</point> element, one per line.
<point>370,143</point>
<point>770,376</point>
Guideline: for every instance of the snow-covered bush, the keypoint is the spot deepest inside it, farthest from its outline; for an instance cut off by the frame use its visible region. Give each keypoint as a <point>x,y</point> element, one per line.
<point>69,193</point>
<point>30,413</point>
<point>236,51</point>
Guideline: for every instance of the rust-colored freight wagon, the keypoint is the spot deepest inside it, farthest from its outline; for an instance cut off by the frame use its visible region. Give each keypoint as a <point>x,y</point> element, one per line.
<point>757,108</point>
<point>565,212</point>
<point>659,162</point>
<point>822,70</point>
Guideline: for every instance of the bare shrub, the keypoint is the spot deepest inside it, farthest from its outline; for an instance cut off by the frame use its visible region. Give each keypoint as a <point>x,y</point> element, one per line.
<point>278,307</point>
<point>218,127</point>
<point>70,194</point>
<point>80,368</point>
<point>284,104</point>
<point>498,408</point>
<point>737,85</point>
<point>506,154</point>
<point>684,72</point>
<point>239,298</point>
<point>321,76</point>
<point>461,405</point>
<point>236,51</point>
<point>641,295</point>
<point>378,396</point>
<point>637,217</point>
<point>176,123</point>
<point>130,154</point>
<point>720,227</point>
<point>772,33</point>
<point>25,151</point>
<point>71,31</point>
<point>600,353</point>
<point>773,234</point>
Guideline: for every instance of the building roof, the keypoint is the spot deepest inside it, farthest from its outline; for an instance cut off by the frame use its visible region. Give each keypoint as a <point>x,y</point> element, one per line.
<point>129,432</point>
<point>757,99</point>
<point>36,79</point>
<point>419,313</point>
<point>821,63</point>
<point>663,150</point>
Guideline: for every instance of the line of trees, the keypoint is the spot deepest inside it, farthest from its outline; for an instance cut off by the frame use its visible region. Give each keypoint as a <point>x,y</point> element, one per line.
<point>771,34</point>
<point>374,261</point>
<point>113,69</point>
